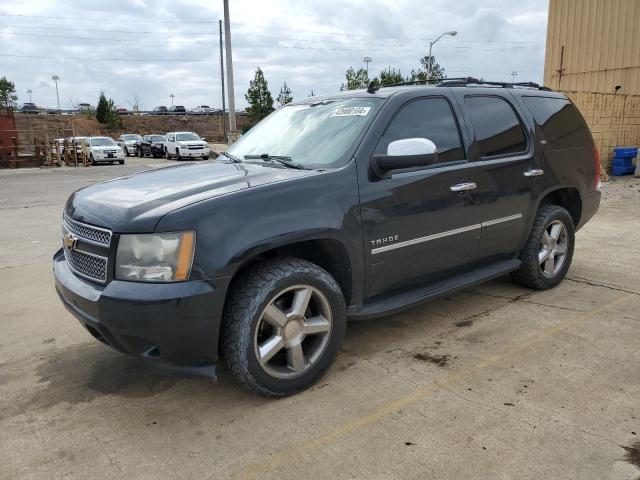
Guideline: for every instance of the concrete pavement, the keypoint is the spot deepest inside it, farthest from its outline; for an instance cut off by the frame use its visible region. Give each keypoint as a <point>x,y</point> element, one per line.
<point>493,382</point>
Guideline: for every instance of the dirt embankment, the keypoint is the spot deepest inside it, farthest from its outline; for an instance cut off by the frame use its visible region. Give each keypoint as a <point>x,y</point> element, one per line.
<point>56,126</point>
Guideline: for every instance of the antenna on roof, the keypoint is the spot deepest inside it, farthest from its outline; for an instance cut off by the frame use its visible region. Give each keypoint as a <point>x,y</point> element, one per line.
<point>373,87</point>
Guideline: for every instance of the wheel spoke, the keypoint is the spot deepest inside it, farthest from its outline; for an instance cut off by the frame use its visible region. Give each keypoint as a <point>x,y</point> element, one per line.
<point>546,238</point>
<point>561,249</point>
<point>295,358</point>
<point>270,347</point>
<point>556,229</point>
<point>550,265</point>
<point>543,255</point>
<point>301,301</point>
<point>275,316</point>
<point>317,324</point>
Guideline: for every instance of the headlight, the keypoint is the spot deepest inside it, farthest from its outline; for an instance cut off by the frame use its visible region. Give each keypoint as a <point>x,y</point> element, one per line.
<point>155,257</point>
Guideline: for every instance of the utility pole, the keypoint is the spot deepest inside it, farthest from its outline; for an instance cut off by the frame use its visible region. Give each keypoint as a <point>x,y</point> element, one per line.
<point>55,78</point>
<point>367,61</point>
<point>514,74</point>
<point>30,92</point>
<point>230,92</point>
<point>172,97</point>
<point>224,124</point>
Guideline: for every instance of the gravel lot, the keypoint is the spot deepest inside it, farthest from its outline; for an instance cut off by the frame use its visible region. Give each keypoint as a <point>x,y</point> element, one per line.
<point>493,382</point>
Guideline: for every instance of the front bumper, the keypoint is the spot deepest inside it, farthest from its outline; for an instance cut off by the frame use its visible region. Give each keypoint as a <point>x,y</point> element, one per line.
<point>131,149</point>
<point>103,157</point>
<point>184,152</point>
<point>172,327</point>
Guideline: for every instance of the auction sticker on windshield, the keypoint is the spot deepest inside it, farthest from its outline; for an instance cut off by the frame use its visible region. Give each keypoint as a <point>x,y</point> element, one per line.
<point>350,112</point>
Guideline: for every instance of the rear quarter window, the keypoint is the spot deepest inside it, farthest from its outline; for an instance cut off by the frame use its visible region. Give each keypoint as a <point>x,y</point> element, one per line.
<point>497,128</point>
<point>560,121</point>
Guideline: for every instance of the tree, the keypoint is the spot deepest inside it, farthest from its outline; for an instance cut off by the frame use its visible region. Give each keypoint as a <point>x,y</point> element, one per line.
<point>355,79</point>
<point>285,95</point>
<point>389,77</point>
<point>101,109</point>
<point>7,92</point>
<point>259,97</point>
<point>111,117</point>
<point>437,71</point>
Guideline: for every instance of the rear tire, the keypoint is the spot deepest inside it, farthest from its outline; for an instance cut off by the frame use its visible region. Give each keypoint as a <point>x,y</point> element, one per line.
<point>547,255</point>
<point>283,325</point>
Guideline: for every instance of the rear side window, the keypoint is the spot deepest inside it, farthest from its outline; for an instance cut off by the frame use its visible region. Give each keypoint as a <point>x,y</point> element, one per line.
<point>497,127</point>
<point>430,118</point>
<point>561,123</point>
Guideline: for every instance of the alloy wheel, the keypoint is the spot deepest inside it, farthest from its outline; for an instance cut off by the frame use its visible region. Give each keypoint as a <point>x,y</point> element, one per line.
<point>293,331</point>
<point>553,248</point>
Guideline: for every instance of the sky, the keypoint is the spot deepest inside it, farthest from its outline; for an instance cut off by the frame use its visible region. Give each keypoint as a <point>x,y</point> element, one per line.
<point>152,49</point>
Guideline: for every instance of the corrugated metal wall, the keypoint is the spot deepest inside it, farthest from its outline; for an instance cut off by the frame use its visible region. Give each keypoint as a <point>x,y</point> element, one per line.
<point>593,46</point>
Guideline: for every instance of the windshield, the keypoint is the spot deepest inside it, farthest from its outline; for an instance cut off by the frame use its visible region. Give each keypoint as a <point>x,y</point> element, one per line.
<point>187,136</point>
<point>102,142</point>
<point>131,137</point>
<point>157,138</point>
<point>314,135</point>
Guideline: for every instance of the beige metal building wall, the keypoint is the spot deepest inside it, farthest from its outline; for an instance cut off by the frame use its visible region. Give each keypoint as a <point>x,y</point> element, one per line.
<point>593,46</point>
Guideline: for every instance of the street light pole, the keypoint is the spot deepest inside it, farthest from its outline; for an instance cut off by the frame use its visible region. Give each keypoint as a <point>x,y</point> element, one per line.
<point>30,92</point>
<point>367,60</point>
<point>55,78</point>
<point>224,123</point>
<point>514,74</point>
<point>172,97</point>
<point>229,58</point>
<point>452,33</point>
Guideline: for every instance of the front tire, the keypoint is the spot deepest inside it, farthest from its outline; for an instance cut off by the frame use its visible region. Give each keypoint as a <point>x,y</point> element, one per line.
<point>178,157</point>
<point>93,162</point>
<point>283,325</point>
<point>547,255</point>
<point>167,154</point>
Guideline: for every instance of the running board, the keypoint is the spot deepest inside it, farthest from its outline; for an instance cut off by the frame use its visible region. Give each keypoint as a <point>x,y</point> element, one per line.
<point>390,304</point>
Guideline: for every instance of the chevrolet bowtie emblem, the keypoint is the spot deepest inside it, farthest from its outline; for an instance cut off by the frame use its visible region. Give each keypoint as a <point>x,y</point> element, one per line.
<point>69,241</point>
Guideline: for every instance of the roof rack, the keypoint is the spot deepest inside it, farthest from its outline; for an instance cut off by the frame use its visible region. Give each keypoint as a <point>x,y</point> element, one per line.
<point>467,81</point>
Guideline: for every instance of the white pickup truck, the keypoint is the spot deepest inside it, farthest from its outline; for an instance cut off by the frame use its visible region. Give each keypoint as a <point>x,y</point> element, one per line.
<point>182,145</point>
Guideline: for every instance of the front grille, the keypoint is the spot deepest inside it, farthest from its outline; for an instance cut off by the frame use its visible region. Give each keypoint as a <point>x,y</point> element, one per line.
<point>88,265</point>
<point>195,147</point>
<point>88,233</point>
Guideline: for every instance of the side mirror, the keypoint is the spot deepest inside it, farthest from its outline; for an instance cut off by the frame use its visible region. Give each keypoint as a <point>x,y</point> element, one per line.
<point>403,154</point>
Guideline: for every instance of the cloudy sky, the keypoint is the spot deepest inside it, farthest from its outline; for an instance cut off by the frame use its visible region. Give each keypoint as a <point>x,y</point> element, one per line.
<point>155,48</point>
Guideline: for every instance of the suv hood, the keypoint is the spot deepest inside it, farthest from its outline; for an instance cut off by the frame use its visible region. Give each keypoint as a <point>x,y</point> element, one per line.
<point>136,203</point>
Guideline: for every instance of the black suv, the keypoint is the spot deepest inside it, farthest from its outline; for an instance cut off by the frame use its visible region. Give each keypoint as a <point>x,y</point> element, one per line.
<point>350,206</point>
<point>152,145</point>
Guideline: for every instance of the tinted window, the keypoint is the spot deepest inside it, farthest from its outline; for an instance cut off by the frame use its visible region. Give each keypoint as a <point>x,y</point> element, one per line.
<point>496,125</point>
<point>430,118</point>
<point>560,121</point>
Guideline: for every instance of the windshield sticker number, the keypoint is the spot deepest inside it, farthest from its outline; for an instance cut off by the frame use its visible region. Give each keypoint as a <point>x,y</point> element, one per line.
<point>350,112</point>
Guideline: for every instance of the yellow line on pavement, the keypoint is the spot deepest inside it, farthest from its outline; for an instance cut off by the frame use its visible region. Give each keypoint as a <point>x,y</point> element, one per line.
<point>278,458</point>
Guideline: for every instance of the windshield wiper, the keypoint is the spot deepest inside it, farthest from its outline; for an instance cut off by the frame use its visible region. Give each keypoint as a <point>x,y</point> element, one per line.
<point>281,159</point>
<point>231,157</point>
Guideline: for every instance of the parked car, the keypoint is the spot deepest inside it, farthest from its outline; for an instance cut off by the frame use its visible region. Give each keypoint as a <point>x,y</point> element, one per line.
<point>152,145</point>
<point>353,206</point>
<point>122,111</point>
<point>29,108</point>
<point>161,110</point>
<point>104,150</point>
<point>129,142</point>
<point>51,110</point>
<point>177,110</point>
<point>183,145</point>
<point>202,110</point>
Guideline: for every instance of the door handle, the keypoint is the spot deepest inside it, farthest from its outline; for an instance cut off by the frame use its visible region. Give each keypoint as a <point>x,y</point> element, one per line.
<point>463,187</point>
<point>533,172</point>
